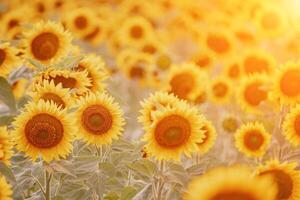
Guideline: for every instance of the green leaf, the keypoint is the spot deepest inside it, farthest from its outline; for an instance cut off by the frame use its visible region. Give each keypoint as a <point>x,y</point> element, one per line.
<point>144,167</point>
<point>6,94</point>
<point>145,193</point>
<point>6,171</point>
<point>107,168</point>
<point>58,198</point>
<point>128,193</point>
<point>6,120</point>
<point>58,167</point>
<point>37,64</point>
<point>69,62</point>
<point>111,196</point>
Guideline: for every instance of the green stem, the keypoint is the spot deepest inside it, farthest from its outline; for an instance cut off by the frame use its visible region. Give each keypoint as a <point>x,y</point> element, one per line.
<point>48,179</point>
<point>160,181</point>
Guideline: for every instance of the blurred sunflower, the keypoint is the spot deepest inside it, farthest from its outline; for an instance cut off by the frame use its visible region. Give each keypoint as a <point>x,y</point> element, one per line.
<point>96,69</point>
<point>286,177</point>
<point>220,42</point>
<point>99,119</point>
<point>271,20</point>
<point>42,129</point>
<point>253,91</point>
<point>8,58</point>
<point>204,59</point>
<point>233,70</point>
<point>291,126</point>
<point>220,90</point>
<point>210,137</point>
<point>151,46</point>
<point>174,131</point>
<point>98,33</point>
<point>6,189</point>
<point>49,92</point>
<point>286,84</point>
<point>46,42</point>
<point>81,21</point>
<point>232,183</point>
<point>257,61</point>
<point>77,81</point>
<point>5,146</point>
<point>252,139</point>
<point>154,103</point>
<point>163,61</point>
<point>135,30</point>
<point>186,80</point>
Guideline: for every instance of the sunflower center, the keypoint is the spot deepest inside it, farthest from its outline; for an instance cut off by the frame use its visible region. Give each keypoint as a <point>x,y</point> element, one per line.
<point>253,140</point>
<point>234,71</point>
<point>172,131</point>
<point>93,33</point>
<point>13,23</point>
<point>81,22</point>
<point>254,95</point>
<point>136,32</point>
<point>218,43</point>
<point>297,125</point>
<point>55,98</point>
<point>206,134</point>
<point>203,61</point>
<point>270,20</point>
<point>182,84</point>
<point>1,151</point>
<point>255,64</point>
<point>233,195</point>
<point>284,183</point>
<point>201,98</point>
<point>244,36</point>
<point>44,131</point>
<point>290,83</point>
<point>137,71</point>
<point>149,49</point>
<point>220,89</point>
<point>2,56</point>
<point>45,46</point>
<point>96,119</point>
<point>66,82</point>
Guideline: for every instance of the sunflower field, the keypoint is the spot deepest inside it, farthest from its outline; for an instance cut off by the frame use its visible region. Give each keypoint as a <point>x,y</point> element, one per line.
<point>149,100</point>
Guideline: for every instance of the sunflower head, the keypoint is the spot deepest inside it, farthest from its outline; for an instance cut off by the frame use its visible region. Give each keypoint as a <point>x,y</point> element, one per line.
<point>47,42</point>
<point>8,58</point>
<point>285,176</point>
<point>43,129</point>
<point>6,189</point>
<point>231,183</point>
<point>220,90</point>
<point>252,139</point>
<point>99,119</point>
<point>209,139</point>
<point>291,126</point>
<point>5,146</point>
<point>174,131</point>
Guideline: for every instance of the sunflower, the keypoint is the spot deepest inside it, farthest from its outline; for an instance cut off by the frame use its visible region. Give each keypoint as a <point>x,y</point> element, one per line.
<point>135,30</point>
<point>204,59</point>
<point>154,103</point>
<point>252,139</point>
<point>151,46</point>
<point>230,124</point>
<point>219,41</point>
<point>210,137</point>
<point>5,146</point>
<point>220,90</point>
<point>257,61</point>
<point>286,177</point>
<point>286,84</point>
<point>43,129</point>
<point>81,21</point>
<point>186,80</point>
<point>201,97</point>
<point>47,42</point>
<point>271,20</point>
<point>99,119</point>
<point>6,190</point>
<point>48,91</point>
<point>233,70</point>
<point>98,34</point>
<point>252,92</point>
<point>96,69</point>
<point>77,81</point>
<point>231,183</point>
<point>291,126</point>
<point>174,131</point>
<point>8,58</point>
<point>163,61</point>
<point>19,87</point>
